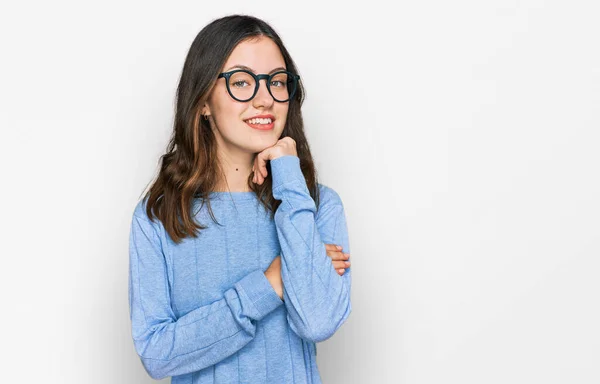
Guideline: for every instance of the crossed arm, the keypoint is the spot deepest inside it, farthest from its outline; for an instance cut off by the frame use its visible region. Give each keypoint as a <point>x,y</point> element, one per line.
<point>316,294</point>
<point>339,260</point>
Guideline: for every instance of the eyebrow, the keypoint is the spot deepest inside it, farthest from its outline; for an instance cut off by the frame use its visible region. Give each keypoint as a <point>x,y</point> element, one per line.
<point>252,70</point>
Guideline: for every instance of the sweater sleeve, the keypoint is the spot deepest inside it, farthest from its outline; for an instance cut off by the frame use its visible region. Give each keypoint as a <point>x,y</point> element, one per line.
<point>170,346</point>
<point>316,297</point>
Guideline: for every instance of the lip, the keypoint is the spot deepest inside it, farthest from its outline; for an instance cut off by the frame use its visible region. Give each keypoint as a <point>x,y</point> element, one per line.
<point>261,117</point>
<point>261,127</point>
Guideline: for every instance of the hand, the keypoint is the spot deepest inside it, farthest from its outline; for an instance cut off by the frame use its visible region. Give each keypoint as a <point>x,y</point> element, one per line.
<point>273,274</point>
<point>339,259</point>
<point>283,147</point>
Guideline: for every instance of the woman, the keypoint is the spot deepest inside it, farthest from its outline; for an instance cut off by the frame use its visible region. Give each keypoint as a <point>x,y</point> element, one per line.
<point>234,275</point>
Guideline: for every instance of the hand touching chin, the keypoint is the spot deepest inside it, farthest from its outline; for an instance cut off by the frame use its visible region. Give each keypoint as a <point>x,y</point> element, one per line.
<point>283,147</point>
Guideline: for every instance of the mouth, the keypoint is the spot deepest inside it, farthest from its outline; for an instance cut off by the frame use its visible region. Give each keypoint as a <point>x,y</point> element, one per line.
<point>262,122</point>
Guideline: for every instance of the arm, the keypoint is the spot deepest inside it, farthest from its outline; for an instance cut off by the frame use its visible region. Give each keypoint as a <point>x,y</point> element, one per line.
<point>170,346</point>
<point>317,298</point>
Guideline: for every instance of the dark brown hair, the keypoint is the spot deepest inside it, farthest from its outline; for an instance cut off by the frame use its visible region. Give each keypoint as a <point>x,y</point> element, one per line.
<point>190,169</point>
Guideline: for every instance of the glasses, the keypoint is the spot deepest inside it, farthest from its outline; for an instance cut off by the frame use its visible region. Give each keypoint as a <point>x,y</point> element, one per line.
<point>243,85</point>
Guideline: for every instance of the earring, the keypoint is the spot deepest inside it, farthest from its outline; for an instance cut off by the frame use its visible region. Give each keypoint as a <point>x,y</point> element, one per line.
<point>205,117</point>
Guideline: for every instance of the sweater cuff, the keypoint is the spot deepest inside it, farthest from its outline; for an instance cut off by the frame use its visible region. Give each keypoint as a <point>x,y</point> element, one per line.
<point>285,169</point>
<point>260,292</point>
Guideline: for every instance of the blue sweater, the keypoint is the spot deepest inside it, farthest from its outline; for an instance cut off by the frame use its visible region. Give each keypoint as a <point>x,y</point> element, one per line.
<point>203,311</point>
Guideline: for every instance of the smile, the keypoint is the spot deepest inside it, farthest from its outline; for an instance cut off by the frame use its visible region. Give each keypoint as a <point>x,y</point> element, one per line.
<point>261,123</point>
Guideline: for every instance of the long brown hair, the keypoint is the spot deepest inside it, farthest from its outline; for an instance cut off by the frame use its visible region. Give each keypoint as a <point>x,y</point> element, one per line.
<point>190,168</point>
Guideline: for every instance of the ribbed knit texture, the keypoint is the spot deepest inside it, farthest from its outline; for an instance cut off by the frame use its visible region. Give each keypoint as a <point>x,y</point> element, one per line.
<point>202,311</point>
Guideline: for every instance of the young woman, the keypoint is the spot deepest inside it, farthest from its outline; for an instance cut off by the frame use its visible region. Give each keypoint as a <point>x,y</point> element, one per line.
<point>234,271</point>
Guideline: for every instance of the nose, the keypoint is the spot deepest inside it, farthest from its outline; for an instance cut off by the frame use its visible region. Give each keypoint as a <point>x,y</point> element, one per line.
<point>263,98</point>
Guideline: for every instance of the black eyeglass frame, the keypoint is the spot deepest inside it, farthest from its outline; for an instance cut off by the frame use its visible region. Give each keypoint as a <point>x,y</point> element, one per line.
<point>292,78</point>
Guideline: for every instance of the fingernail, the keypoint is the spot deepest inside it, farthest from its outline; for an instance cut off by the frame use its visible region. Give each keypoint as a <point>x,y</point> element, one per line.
<point>341,270</point>
<point>347,262</point>
<point>338,246</point>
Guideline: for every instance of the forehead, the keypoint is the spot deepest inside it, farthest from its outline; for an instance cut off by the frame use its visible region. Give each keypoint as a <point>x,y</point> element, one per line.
<point>261,54</point>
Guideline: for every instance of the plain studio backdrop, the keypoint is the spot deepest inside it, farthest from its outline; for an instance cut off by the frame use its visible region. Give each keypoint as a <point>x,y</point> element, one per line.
<point>463,138</point>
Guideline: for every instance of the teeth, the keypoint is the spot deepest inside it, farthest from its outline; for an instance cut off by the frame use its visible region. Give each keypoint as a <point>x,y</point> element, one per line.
<point>259,121</point>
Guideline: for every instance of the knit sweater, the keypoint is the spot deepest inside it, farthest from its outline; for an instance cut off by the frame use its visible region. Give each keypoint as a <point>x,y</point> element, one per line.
<point>203,311</point>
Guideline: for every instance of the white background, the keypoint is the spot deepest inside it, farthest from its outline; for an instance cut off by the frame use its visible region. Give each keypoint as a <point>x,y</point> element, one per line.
<point>463,138</point>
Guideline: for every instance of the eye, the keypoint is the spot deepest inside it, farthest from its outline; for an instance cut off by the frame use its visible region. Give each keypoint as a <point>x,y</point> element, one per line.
<point>240,83</point>
<point>277,83</point>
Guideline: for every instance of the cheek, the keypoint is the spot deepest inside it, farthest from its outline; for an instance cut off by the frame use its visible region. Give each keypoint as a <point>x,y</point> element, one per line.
<point>226,110</point>
<point>282,113</point>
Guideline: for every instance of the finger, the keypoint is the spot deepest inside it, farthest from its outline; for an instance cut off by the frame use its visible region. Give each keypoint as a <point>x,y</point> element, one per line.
<point>257,175</point>
<point>340,264</point>
<point>340,271</point>
<point>262,158</point>
<point>289,144</point>
<point>332,247</point>
<point>335,255</point>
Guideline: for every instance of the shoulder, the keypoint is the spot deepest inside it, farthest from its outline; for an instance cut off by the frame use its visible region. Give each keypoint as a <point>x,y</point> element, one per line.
<point>328,196</point>
<point>331,208</point>
<point>139,212</point>
<point>140,220</point>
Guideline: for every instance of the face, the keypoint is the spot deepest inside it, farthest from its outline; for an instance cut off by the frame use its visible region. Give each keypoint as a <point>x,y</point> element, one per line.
<point>231,120</point>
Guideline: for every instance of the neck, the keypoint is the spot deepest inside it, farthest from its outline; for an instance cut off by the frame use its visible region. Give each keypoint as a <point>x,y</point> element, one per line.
<point>236,171</point>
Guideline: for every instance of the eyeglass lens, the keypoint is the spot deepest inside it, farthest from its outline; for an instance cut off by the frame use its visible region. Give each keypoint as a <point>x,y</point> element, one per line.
<point>242,85</point>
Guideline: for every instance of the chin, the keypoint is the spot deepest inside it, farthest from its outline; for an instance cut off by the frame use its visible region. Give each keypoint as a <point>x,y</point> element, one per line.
<point>266,145</point>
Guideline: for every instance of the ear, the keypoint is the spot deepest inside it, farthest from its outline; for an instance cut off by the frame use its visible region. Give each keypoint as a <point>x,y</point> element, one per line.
<point>205,110</point>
